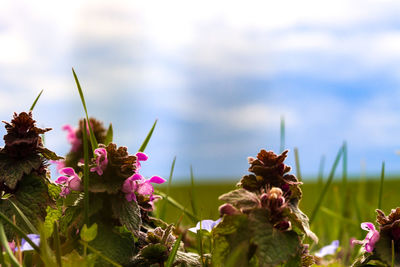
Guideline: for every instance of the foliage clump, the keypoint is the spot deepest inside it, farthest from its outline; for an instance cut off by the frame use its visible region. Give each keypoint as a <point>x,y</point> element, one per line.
<point>262,224</point>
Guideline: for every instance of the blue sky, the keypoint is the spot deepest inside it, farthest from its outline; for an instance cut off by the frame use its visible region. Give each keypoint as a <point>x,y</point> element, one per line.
<point>218,75</point>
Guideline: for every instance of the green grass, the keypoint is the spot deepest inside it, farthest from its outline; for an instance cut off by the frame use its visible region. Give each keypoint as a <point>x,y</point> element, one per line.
<point>326,225</point>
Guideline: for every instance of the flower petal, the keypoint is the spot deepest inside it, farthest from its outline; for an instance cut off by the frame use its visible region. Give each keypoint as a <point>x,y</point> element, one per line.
<point>68,171</point>
<point>157,180</point>
<point>145,188</point>
<point>141,156</point>
<point>61,180</point>
<point>367,226</point>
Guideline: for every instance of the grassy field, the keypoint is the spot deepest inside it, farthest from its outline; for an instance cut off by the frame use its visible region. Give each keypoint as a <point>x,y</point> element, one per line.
<point>339,217</point>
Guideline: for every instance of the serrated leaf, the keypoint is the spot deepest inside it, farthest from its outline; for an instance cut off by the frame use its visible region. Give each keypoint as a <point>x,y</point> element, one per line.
<point>53,215</point>
<point>48,154</point>
<point>383,249</point>
<point>128,213</point>
<point>154,253</point>
<point>89,234</point>
<point>11,170</point>
<point>241,199</point>
<point>114,245</point>
<point>54,191</point>
<point>109,135</point>
<point>300,220</point>
<point>273,246</point>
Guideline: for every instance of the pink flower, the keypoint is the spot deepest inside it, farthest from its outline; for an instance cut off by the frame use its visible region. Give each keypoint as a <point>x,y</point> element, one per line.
<point>70,181</point>
<point>72,137</point>
<point>101,161</point>
<point>138,184</point>
<point>140,156</point>
<point>371,238</point>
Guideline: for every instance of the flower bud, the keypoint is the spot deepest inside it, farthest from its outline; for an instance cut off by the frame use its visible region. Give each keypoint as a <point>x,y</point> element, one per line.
<point>228,209</point>
<point>283,225</point>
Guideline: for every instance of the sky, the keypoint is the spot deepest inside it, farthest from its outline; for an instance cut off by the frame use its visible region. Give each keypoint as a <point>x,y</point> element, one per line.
<point>218,76</point>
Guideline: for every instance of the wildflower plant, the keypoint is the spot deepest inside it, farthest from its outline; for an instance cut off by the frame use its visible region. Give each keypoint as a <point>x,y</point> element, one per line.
<point>262,224</point>
<point>23,170</point>
<point>381,245</point>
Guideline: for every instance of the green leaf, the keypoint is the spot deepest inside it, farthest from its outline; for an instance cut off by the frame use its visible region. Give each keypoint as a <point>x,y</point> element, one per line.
<point>273,246</point>
<point>36,100</point>
<point>172,254</point>
<point>4,243</point>
<point>48,154</point>
<point>383,249</point>
<point>154,253</point>
<point>299,220</point>
<point>11,170</point>
<point>92,137</point>
<point>109,135</point>
<point>241,198</point>
<point>147,139</point>
<point>255,236</point>
<point>89,234</point>
<point>128,213</point>
<point>111,245</point>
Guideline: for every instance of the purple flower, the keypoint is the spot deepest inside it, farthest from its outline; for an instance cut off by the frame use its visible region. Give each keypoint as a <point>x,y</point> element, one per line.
<point>72,137</point>
<point>370,239</point>
<point>205,225</point>
<point>137,183</point>
<point>328,250</point>
<point>26,246</point>
<point>101,161</point>
<point>70,181</point>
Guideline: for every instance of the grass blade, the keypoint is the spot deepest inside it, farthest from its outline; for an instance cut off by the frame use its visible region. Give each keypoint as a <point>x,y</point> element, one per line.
<point>85,176</point>
<point>4,243</point>
<point>338,216</point>
<point>109,135</point>
<point>92,137</point>
<point>19,231</point>
<point>57,246</point>
<point>381,186</point>
<point>163,208</point>
<point>36,100</point>
<point>146,141</point>
<point>174,203</point>
<point>192,192</point>
<point>95,251</point>
<point>326,187</point>
<point>24,218</point>
<point>282,139</point>
<point>297,160</point>
<point>321,171</point>
<point>172,255</point>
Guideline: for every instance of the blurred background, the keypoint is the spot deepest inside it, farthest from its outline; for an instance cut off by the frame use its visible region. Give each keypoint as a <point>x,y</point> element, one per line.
<point>218,76</point>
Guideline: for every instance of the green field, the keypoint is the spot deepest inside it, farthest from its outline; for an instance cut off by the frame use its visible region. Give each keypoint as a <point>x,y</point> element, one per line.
<point>339,217</point>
